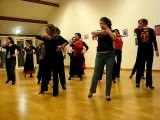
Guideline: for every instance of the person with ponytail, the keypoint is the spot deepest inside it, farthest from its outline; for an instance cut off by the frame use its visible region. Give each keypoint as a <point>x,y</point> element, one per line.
<point>104,56</point>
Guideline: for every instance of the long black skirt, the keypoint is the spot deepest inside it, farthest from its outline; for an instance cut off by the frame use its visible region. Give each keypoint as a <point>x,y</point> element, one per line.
<point>29,64</point>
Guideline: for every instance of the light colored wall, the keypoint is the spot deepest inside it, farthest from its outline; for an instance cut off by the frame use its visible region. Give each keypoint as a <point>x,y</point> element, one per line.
<point>83,16</point>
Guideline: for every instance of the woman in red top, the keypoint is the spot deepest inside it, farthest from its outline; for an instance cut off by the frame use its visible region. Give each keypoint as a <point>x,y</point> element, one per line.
<point>79,48</point>
<point>118,44</point>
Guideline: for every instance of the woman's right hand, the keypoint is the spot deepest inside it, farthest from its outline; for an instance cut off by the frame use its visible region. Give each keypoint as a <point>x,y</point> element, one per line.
<point>106,30</point>
<point>157,53</point>
<point>46,36</point>
<point>4,45</point>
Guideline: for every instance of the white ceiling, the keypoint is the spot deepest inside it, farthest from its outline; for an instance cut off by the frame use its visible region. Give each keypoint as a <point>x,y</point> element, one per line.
<point>23,9</point>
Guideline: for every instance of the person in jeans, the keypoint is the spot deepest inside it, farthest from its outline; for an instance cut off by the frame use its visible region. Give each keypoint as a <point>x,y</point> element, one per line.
<point>104,56</point>
<point>146,40</point>
<point>10,59</point>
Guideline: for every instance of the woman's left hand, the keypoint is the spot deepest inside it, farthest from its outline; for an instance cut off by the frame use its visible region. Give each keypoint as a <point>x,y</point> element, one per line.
<point>14,55</point>
<point>157,53</point>
<point>59,48</point>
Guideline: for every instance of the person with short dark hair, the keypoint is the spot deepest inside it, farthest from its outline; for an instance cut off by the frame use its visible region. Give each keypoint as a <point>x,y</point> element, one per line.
<point>104,56</point>
<point>146,40</point>
<point>118,44</point>
<point>79,48</point>
<point>10,59</point>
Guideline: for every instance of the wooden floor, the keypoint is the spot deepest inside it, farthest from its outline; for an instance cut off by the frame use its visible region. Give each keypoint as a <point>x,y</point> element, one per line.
<point>22,101</point>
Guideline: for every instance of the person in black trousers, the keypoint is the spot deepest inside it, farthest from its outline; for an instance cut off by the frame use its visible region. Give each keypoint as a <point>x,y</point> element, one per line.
<point>61,56</point>
<point>10,59</point>
<point>70,53</point>
<point>135,69</point>
<point>79,48</point>
<point>146,39</point>
<point>54,43</point>
<point>41,54</point>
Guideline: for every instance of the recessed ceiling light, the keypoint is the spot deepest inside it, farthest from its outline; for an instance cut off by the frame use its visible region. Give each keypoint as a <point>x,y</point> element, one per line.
<point>17,31</point>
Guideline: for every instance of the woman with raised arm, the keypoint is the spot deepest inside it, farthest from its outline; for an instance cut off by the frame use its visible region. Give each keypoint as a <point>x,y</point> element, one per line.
<point>10,59</point>
<point>54,43</point>
<point>104,55</point>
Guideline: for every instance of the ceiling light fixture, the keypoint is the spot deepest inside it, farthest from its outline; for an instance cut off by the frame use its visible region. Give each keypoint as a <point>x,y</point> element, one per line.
<point>17,31</point>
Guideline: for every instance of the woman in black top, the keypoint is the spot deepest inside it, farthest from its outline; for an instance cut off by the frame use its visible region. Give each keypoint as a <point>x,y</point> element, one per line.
<point>105,55</point>
<point>60,58</point>
<point>29,62</point>
<point>54,43</point>
<point>146,39</point>
<point>10,59</point>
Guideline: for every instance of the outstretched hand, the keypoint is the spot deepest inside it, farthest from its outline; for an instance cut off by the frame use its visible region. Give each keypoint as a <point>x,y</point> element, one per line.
<point>46,36</point>
<point>106,30</point>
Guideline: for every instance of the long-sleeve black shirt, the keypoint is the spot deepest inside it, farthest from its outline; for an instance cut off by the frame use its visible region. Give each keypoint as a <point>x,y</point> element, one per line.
<point>51,46</point>
<point>11,50</point>
<point>146,38</point>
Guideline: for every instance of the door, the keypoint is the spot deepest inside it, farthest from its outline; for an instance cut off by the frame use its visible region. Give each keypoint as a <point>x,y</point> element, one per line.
<point>20,43</point>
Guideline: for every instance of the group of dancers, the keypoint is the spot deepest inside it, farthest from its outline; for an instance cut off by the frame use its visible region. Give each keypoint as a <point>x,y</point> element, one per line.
<point>52,53</point>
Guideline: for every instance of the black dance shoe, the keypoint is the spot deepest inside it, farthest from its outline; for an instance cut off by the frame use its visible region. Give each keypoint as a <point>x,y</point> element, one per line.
<point>13,83</point>
<point>55,94</point>
<point>81,78</point>
<point>137,85</point>
<point>7,81</point>
<point>55,91</point>
<point>41,92</point>
<point>38,82</point>
<point>64,87</point>
<point>151,87</point>
<point>90,95</point>
<point>114,81</point>
<point>131,76</point>
<point>69,78</point>
<point>108,98</point>
<point>31,75</point>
